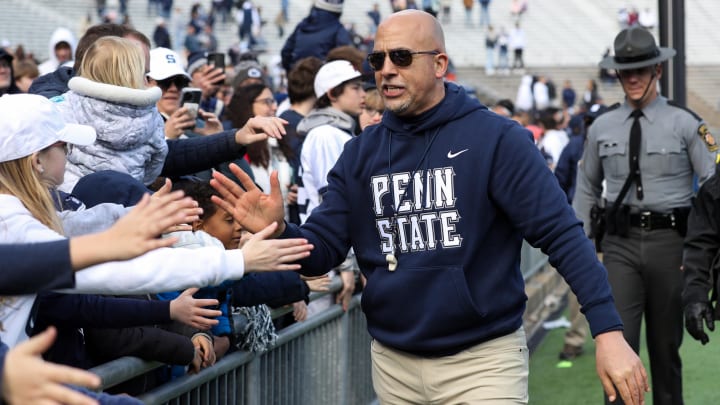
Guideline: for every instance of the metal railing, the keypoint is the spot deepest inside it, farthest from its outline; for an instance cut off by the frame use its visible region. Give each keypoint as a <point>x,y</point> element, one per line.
<point>323,360</point>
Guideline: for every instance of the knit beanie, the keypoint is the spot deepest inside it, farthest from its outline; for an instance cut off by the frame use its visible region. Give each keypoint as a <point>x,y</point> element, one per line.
<point>336,6</point>
<point>196,60</point>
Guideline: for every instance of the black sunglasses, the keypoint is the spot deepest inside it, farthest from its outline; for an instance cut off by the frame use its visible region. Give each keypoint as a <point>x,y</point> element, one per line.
<point>179,81</point>
<point>399,57</point>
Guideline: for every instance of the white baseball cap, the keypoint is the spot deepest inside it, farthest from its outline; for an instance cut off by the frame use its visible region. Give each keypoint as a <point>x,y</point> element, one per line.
<point>165,63</point>
<point>332,74</point>
<point>30,123</point>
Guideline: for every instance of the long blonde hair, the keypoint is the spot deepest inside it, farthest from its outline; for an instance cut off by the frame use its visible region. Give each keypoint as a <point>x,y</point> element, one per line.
<point>19,178</point>
<point>114,60</point>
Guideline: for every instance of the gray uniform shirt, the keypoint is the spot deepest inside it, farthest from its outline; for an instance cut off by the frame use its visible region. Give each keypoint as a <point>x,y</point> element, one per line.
<point>675,144</point>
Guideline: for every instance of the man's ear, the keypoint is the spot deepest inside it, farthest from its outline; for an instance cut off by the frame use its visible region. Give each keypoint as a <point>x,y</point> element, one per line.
<point>441,65</point>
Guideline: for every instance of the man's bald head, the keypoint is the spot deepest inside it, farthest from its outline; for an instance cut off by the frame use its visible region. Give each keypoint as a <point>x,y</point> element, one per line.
<point>418,24</point>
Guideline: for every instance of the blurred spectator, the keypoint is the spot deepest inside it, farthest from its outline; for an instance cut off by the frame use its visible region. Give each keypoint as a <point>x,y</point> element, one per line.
<point>445,7</point>
<point>568,96</point>
<point>301,96</point>
<point>7,84</point>
<point>554,139</point>
<point>622,17</point>
<point>517,9</point>
<point>375,18</point>
<point>632,17</point>
<point>60,50</point>
<point>316,34</point>
<point>491,40</point>
<point>541,96</point>
<point>517,43</point>
<point>25,71</point>
<point>504,107</point>
<point>373,110</point>
<point>161,35</point>
<point>484,13</point>
<point>524,99</point>
<point>590,95</point>
<point>468,12</point>
<point>502,44</point>
<point>248,20</point>
<point>192,42</point>
<point>646,19</point>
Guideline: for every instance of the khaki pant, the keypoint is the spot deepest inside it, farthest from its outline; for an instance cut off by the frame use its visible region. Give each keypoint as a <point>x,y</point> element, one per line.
<point>493,372</point>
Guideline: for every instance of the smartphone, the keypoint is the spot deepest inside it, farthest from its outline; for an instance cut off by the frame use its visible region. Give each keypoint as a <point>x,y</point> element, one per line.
<point>190,98</point>
<point>217,60</point>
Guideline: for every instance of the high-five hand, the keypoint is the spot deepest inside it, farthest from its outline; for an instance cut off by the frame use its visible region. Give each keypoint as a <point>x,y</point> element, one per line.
<point>250,207</point>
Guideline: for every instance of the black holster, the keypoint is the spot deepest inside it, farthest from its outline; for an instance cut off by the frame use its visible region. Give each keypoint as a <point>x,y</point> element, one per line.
<point>681,219</point>
<point>597,226</point>
<point>618,220</point>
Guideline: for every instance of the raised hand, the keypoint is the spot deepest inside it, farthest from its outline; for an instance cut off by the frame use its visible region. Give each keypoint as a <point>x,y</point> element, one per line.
<point>205,81</point>
<point>192,311</point>
<point>250,207</point>
<point>261,254</point>
<point>178,122</point>
<point>192,213</point>
<point>134,234</point>
<point>27,379</point>
<point>259,128</point>
<point>212,123</point>
<point>620,367</point>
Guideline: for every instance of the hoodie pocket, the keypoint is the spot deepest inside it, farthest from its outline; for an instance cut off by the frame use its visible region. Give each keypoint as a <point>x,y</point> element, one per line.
<point>420,301</point>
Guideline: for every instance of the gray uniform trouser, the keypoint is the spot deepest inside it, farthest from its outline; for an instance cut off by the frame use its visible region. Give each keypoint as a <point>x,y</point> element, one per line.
<point>644,273</point>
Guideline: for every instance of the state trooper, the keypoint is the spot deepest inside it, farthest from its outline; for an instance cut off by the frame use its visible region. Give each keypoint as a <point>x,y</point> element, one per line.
<point>647,149</point>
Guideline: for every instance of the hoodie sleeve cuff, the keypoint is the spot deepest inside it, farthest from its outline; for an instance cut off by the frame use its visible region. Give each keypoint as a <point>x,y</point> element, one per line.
<point>603,318</point>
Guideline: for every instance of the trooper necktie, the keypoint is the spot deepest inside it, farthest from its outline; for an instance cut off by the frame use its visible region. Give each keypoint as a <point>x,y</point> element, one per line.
<point>635,137</point>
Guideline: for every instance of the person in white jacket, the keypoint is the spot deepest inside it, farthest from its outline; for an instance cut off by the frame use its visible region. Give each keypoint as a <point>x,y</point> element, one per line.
<point>61,49</point>
<point>340,99</point>
<point>33,140</point>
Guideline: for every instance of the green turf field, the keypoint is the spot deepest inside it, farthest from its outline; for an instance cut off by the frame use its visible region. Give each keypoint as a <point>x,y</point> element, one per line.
<point>579,383</point>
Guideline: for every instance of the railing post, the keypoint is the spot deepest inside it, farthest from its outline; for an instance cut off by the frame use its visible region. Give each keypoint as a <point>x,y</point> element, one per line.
<point>252,382</point>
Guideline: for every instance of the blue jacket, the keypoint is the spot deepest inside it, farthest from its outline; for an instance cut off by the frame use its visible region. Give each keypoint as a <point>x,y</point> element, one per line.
<point>33,267</point>
<point>480,189</point>
<point>315,35</point>
<point>566,169</point>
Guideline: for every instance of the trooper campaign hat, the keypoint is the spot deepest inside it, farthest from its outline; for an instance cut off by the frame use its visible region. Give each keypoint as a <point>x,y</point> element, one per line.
<point>635,48</point>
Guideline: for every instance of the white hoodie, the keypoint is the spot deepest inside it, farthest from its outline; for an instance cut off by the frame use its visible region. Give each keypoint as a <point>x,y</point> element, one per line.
<point>61,34</point>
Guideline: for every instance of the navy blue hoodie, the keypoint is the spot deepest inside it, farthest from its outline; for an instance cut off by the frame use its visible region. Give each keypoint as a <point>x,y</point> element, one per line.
<point>482,187</point>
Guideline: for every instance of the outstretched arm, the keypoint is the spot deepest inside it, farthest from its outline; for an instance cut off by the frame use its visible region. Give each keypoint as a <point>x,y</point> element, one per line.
<point>134,234</point>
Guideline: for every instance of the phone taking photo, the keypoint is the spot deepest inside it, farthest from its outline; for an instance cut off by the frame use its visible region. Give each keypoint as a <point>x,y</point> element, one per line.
<point>190,97</point>
<point>217,60</point>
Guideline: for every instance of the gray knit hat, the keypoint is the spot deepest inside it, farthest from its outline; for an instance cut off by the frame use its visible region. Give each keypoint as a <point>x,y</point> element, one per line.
<point>336,6</point>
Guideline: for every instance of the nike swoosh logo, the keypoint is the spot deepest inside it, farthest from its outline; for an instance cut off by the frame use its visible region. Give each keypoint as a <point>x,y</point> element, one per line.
<point>456,154</point>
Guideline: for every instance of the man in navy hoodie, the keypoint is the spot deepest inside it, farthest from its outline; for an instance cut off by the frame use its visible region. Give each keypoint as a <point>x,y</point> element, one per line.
<point>436,201</point>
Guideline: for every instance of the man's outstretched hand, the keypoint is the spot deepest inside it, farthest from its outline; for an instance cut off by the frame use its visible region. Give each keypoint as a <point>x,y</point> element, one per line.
<point>250,207</point>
